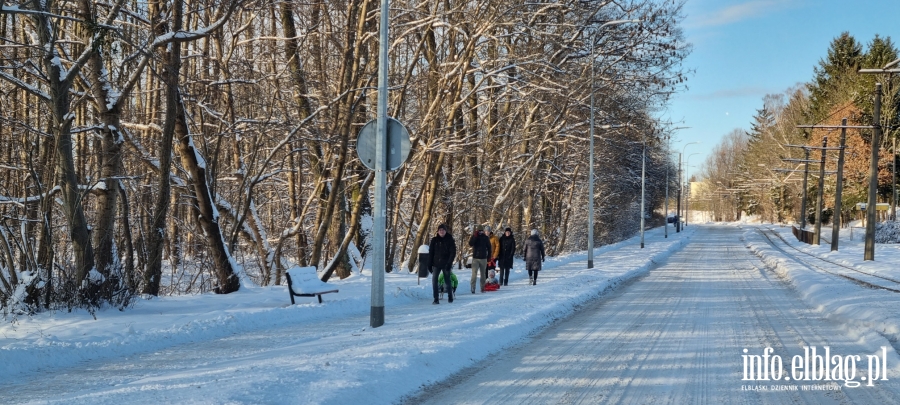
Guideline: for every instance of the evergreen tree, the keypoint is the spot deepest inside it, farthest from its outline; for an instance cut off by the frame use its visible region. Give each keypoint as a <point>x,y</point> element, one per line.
<point>880,52</point>
<point>762,135</point>
<point>839,68</point>
<point>763,122</point>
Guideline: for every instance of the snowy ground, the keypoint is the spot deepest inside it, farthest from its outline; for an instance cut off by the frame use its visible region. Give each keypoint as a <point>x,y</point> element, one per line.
<point>252,347</point>
<point>677,336</point>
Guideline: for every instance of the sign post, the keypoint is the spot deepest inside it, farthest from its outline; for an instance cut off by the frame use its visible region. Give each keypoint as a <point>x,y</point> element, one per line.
<point>382,145</point>
<point>376,315</point>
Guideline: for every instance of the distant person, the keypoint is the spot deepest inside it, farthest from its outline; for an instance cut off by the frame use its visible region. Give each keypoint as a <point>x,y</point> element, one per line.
<point>443,250</point>
<point>481,251</point>
<point>495,248</point>
<point>505,256</point>
<point>534,256</point>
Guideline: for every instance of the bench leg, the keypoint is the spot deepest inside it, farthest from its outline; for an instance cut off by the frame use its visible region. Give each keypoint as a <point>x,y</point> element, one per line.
<point>320,298</point>
<point>290,290</point>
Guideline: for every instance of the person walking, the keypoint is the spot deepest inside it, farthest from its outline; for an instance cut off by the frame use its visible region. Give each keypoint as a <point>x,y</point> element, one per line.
<point>442,250</point>
<point>505,256</point>
<point>481,251</point>
<point>495,248</point>
<point>534,255</point>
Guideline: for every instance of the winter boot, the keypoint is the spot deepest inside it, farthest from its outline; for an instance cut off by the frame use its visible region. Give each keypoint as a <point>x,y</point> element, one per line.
<point>450,297</point>
<point>435,302</point>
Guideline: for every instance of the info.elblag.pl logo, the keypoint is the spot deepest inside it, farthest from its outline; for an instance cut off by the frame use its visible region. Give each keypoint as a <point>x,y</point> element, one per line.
<point>817,366</point>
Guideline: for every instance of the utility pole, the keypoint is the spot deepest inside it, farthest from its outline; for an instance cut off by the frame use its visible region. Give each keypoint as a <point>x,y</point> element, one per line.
<point>805,177</point>
<point>839,189</point>
<point>888,69</point>
<point>805,161</point>
<point>836,221</point>
<point>816,237</point>
<point>805,180</point>
<point>869,253</point>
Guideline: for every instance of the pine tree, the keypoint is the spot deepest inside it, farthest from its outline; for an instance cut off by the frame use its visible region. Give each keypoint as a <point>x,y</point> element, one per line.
<point>763,122</point>
<point>880,52</point>
<point>833,73</point>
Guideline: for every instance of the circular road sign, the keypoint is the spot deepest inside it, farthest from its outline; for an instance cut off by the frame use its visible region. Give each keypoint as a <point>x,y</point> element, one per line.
<point>397,144</point>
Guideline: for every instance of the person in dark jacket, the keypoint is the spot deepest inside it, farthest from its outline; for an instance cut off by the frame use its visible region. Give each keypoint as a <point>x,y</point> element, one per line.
<point>534,255</point>
<point>442,250</point>
<point>481,251</point>
<point>505,258</point>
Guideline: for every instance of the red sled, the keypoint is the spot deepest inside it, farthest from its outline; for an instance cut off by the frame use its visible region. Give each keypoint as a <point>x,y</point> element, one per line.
<point>491,287</point>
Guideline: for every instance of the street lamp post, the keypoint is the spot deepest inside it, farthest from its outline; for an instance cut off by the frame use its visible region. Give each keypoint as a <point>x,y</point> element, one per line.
<point>678,204</point>
<point>668,145</point>
<point>666,208</point>
<point>687,198</point>
<point>643,177</point>
<point>590,233</point>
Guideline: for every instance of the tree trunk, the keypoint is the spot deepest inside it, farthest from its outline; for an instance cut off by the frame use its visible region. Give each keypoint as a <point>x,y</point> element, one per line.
<point>171,58</point>
<point>208,218</point>
<point>357,10</point>
<point>59,85</point>
<point>354,226</point>
<point>108,108</point>
<point>564,222</point>
<point>128,268</point>
<point>428,209</point>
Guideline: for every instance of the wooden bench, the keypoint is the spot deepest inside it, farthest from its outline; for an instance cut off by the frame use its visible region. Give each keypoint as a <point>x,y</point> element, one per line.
<point>304,282</point>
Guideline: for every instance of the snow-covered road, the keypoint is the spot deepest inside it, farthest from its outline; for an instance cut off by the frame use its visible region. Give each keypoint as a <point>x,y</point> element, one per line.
<point>663,324</point>
<point>677,336</point>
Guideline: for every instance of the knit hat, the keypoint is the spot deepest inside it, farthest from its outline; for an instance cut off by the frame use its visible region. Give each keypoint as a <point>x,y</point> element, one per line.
<point>442,226</point>
<point>534,232</point>
<point>487,228</point>
<point>508,230</point>
<point>479,228</point>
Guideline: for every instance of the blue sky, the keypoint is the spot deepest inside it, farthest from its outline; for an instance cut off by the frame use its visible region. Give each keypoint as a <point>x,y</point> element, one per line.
<point>745,49</point>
